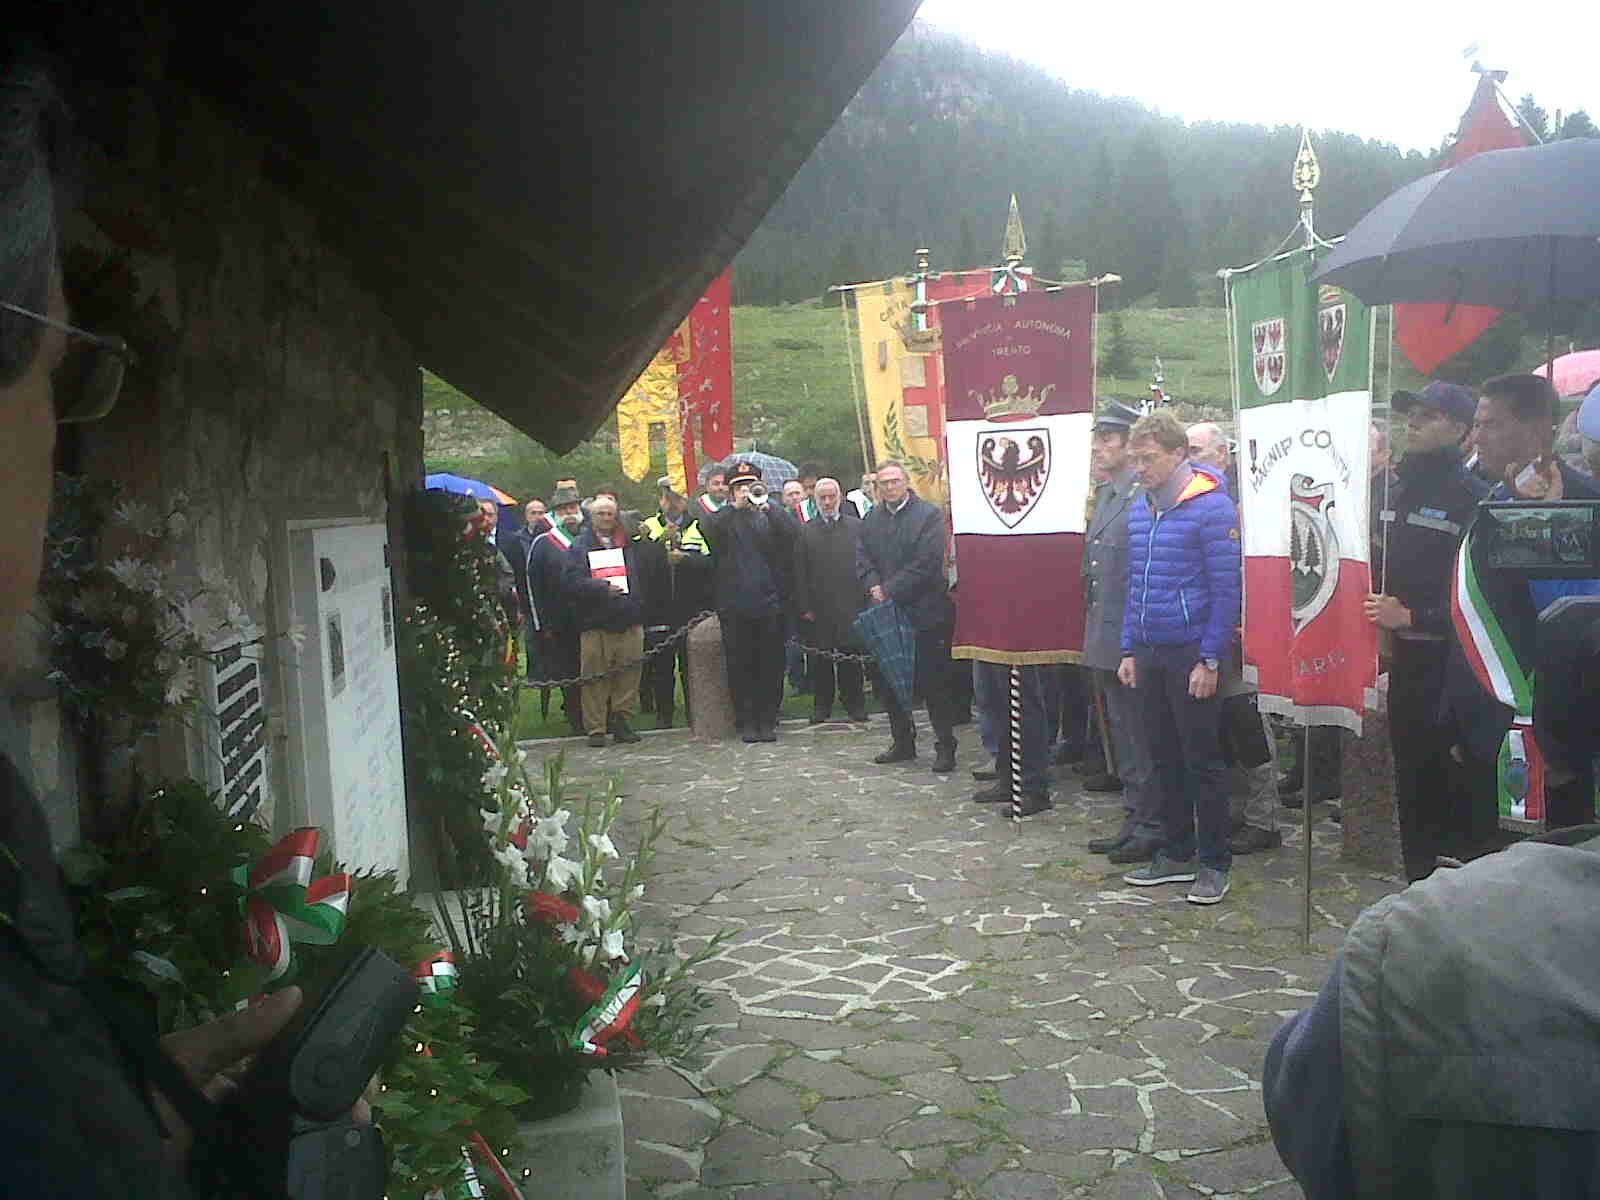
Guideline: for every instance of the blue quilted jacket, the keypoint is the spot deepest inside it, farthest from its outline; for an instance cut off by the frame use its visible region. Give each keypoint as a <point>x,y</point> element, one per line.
<point>1184,572</point>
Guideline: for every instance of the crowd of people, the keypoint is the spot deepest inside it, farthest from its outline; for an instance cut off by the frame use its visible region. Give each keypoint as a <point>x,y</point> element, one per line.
<point>1159,709</point>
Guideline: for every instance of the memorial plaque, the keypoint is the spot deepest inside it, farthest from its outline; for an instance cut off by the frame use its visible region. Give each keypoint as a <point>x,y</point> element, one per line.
<point>353,771</point>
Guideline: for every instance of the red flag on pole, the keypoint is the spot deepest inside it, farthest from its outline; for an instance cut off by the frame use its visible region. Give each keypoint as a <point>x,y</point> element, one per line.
<point>705,377</point>
<point>1428,334</point>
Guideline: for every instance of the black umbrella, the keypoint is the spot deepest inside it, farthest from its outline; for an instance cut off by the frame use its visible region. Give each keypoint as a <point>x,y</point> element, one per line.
<point>1512,229</point>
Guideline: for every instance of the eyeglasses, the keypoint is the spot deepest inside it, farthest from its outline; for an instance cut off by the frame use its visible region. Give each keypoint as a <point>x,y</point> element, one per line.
<point>90,377</point>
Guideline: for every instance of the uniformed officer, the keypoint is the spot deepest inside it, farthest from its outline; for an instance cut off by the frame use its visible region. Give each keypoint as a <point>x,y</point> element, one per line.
<point>1431,501</point>
<point>1105,578</point>
<point>684,589</point>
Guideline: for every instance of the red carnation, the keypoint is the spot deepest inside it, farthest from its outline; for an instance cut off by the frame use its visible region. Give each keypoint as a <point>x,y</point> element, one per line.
<point>551,910</point>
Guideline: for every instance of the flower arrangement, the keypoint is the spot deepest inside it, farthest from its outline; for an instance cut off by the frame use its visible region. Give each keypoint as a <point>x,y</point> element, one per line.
<point>547,955</point>
<point>124,637</point>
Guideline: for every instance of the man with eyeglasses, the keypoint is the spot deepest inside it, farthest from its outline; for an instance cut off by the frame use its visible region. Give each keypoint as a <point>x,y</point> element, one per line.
<point>87,1095</point>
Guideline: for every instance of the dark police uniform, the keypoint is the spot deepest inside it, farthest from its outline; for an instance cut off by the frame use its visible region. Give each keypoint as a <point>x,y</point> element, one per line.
<point>1431,502</point>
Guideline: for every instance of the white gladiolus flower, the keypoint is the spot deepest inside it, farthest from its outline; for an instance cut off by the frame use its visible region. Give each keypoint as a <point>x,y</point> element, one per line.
<point>569,934</point>
<point>598,911</point>
<point>587,955</point>
<point>600,843</point>
<point>549,836</point>
<point>494,777</point>
<point>127,572</point>
<point>178,687</point>
<point>562,873</point>
<point>491,821</point>
<point>515,865</point>
<point>611,946</point>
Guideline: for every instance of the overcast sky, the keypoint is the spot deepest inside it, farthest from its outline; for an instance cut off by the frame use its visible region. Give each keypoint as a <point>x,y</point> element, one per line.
<point>1393,70</point>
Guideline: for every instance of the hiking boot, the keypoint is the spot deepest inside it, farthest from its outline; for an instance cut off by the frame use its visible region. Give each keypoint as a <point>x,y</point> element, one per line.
<point>1134,850</point>
<point>622,731</point>
<point>597,740</point>
<point>998,792</point>
<point>1161,870</point>
<point>1249,840</point>
<point>1105,845</point>
<point>985,774</point>
<point>1103,782</point>
<point>769,733</point>
<point>1209,887</point>
<point>898,752</point>
<point>944,758</point>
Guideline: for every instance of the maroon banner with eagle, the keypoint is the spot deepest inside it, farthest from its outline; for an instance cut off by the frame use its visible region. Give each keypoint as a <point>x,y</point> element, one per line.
<point>1019,401</point>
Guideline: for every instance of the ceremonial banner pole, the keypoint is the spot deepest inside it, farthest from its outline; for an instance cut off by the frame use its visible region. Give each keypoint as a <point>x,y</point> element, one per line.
<point>1307,174</point>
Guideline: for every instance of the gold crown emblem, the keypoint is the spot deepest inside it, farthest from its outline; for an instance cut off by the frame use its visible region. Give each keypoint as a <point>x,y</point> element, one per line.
<point>1012,401</point>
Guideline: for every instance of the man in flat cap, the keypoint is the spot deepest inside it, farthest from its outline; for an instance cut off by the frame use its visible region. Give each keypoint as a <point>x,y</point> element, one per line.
<point>1105,581</point>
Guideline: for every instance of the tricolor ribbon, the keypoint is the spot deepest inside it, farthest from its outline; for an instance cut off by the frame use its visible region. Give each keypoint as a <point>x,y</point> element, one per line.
<point>484,740</point>
<point>1008,279</point>
<point>283,905</point>
<point>1519,765</point>
<point>436,978</point>
<point>611,1015</point>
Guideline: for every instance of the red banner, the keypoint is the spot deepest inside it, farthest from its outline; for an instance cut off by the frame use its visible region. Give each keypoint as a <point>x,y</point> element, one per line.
<point>1429,334</point>
<point>1019,399</point>
<point>705,378</point>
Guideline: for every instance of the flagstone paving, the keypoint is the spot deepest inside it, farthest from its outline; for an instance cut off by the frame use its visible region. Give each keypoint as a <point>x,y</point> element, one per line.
<point>918,1000</point>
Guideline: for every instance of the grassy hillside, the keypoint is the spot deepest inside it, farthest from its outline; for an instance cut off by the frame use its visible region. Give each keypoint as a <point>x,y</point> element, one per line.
<point>792,396</point>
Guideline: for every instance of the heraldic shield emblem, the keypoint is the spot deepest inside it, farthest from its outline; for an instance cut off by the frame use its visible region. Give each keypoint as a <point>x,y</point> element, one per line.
<point>1014,468</point>
<point>1331,320</point>
<point>1313,550</point>
<point>1271,355</point>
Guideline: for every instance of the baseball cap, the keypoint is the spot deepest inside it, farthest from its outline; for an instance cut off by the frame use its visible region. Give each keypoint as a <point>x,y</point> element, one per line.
<point>1453,400</point>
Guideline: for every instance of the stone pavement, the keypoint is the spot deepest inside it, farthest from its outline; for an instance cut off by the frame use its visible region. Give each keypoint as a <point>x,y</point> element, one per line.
<point>919,1001</point>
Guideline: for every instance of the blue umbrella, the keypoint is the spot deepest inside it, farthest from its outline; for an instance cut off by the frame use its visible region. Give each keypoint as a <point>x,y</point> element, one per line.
<point>467,487</point>
<point>893,643</point>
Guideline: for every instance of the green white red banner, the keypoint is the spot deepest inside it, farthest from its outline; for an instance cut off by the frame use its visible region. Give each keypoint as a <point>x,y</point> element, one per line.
<point>1303,400</point>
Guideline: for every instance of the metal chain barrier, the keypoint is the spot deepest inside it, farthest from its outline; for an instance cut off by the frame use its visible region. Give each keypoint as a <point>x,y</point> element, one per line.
<point>671,640</point>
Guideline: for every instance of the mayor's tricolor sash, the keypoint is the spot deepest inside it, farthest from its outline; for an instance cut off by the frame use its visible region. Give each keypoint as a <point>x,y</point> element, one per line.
<point>560,536</point>
<point>1519,765</point>
<point>707,504</point>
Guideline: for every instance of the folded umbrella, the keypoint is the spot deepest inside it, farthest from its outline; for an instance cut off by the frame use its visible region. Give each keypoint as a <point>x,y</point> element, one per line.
<point>893,643</point>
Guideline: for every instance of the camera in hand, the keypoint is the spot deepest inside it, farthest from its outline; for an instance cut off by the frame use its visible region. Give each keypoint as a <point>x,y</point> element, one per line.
<point>1531,553</point>
<point>758,495</point>
<point>286,1131</point>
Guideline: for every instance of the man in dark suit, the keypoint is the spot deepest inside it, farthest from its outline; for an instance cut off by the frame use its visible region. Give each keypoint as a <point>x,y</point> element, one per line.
<point>1105,577</point>
<point>828,597</point>
<point>901,558</point>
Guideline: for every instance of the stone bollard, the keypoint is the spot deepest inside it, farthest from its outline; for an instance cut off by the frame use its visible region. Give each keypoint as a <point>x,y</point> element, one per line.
<point>1371,819</point>
<point>708,683</point>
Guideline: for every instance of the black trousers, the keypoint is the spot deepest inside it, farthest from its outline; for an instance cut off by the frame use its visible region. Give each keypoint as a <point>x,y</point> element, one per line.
<point>1444,808</point>
<point>662,672</point>
<point>937,684</point>
<point>558,659</point>
<point>1186,755</point>
<point>823,673</point>
<point>753,648</point>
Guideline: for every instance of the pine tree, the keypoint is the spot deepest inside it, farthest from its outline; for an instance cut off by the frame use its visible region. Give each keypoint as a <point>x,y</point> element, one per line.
<point>1116,360</point>
<point>967,248</point>
<point>1177,279</point>
<point>1052,247</point>
<point>1149,211</point>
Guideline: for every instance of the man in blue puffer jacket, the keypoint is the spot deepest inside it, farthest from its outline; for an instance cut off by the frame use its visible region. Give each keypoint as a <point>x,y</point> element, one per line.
<point>1183,607</point>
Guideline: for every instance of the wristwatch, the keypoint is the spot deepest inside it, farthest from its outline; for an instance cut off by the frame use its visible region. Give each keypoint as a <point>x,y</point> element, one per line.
<point>1209,664</point>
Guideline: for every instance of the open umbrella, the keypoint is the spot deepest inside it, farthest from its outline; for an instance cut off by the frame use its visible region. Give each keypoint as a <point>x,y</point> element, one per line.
<point>774,470</point>
<point>1575,373</point>
<point>1514,229</point>
<point>467,487</point>
<point>892,641</point>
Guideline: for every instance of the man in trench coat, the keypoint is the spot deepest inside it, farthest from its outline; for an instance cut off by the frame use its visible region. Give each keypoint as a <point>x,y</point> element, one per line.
<point>828,597</point>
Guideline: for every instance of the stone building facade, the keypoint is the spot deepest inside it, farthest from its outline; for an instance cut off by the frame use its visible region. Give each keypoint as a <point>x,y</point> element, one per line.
<point>271,389</point>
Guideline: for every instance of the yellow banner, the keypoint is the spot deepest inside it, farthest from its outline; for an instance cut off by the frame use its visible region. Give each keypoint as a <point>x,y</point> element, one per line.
<point>888,367</point>
<point>652,400</point>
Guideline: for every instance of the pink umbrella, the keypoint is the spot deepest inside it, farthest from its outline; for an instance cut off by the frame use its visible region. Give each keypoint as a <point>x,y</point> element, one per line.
<point>1575,374</point>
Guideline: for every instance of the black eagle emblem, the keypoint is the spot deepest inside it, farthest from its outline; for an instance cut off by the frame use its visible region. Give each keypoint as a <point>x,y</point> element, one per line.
<point>1013,475</point>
